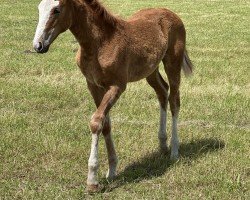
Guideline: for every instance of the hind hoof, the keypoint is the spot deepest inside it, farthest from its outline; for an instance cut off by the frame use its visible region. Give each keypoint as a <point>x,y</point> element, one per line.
<point>174,156</point>
<point>164,149</point>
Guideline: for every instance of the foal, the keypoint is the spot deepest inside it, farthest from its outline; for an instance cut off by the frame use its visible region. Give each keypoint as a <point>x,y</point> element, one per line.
<point>114,52</point>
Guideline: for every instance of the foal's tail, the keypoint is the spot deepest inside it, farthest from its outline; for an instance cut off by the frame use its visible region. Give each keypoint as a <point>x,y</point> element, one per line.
<point>187,65</point>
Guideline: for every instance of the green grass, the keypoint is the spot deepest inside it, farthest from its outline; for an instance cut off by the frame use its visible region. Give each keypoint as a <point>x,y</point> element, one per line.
<point>45,110</point>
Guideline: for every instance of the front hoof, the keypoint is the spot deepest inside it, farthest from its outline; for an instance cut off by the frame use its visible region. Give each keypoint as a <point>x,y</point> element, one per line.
<point>110,176</point>
<point>93,188</point>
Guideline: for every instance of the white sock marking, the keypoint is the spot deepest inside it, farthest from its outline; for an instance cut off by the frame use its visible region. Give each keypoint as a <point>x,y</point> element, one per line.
<point>174,139</point>
<point>93,161</point>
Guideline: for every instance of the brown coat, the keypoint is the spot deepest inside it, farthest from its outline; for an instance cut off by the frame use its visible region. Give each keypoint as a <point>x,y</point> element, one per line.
<point>114,52</point>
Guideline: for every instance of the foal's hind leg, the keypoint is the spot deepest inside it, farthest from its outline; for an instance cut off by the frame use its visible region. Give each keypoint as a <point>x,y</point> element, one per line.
<point>173,69</point>
<point>161,88</point>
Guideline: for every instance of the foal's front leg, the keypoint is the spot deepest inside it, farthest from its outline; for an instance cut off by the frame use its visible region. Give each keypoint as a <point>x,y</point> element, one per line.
<point>96,126</point>
<point>112,158</point>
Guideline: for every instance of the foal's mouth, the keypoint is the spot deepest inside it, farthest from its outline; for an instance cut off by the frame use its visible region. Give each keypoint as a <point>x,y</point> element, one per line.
<point>41,48</point>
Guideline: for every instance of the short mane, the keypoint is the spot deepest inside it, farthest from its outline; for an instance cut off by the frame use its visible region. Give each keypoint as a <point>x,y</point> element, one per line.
<point>100,11</point>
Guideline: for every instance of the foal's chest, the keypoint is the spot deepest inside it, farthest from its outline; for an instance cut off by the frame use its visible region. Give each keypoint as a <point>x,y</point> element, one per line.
<point>91,70</point>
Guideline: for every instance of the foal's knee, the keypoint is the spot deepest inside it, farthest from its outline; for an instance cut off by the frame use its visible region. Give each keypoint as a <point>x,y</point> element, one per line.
<point>96,123</point>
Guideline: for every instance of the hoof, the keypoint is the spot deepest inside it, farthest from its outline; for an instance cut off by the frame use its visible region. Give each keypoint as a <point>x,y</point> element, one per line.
<point>110,177</point>
<point>174,156</point>
<point>93,188</point>
<point>174,150</point>
<point>164,149</point>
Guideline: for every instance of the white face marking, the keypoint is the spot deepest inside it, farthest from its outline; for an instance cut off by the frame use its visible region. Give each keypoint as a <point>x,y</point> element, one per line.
<point>45,8</point>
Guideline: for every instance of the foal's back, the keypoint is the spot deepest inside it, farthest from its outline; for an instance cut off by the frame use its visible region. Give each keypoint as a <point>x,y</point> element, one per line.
<point>149,36</point>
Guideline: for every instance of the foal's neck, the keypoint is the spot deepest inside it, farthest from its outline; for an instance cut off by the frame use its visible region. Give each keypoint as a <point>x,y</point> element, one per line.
<point>89,30</point>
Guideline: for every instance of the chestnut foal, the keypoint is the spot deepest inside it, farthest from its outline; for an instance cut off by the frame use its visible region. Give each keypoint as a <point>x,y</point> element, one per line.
<point>114,52</point>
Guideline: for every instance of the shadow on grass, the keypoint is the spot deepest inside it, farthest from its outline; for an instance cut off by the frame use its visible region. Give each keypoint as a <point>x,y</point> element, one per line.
<point>156,164</point>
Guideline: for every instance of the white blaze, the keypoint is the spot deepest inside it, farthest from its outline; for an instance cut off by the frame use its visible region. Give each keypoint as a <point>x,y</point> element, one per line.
<point>45,8</point>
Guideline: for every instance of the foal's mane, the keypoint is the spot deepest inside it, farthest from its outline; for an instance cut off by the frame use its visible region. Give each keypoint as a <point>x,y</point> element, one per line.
<point>100,11</point>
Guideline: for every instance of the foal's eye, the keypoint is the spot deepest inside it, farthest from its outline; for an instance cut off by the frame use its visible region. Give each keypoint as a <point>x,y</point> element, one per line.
<point>56,11</point>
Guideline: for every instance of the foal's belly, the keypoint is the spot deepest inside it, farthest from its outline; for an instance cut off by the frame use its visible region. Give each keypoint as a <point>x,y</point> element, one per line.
<point>141,67</point>
<point>138,72</point>
<point>145,58</point>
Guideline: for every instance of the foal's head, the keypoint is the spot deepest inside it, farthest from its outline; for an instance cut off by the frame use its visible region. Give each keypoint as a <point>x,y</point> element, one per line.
<point>54,18</point>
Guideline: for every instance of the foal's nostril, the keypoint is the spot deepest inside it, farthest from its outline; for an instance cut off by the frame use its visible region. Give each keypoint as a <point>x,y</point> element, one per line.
<point>39,46</point>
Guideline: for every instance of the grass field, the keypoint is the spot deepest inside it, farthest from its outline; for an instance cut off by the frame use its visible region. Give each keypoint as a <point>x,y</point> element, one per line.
<point>45,110</point>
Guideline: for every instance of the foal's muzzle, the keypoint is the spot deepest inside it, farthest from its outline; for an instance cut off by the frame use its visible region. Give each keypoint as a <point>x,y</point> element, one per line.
<point>41,48</point>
